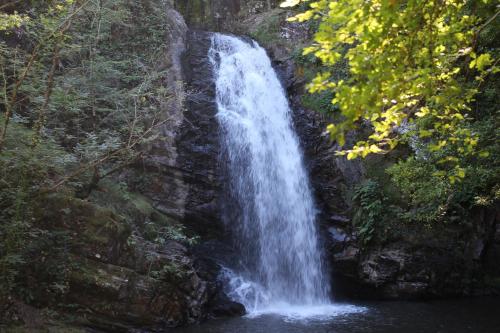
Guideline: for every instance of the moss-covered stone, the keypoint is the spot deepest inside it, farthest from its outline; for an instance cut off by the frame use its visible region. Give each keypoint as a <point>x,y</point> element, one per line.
<point>124,266</point>
<point>121,294</point>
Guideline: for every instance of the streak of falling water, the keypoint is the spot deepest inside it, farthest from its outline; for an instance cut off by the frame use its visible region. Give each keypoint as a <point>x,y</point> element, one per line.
<point>275,220</point>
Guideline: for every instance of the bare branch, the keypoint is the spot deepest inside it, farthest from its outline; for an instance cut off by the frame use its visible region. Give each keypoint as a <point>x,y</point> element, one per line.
<point>9,4</point>
<point>50,85</point>
<point>106,157</point>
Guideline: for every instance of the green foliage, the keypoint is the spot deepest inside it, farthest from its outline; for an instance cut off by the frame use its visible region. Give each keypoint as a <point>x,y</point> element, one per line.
<point>23,172</point>
<point>417,197</point>
<point>104,96</point>
<point>320,102</point>
<point>308,67</point>
<point>432,198</point>
<point>414,179</point>
<point>81,88</point>
<point>171,272</point>
<point>407,62</point>
<point>159,234</point>
<point>47,258</point>
<point>9,21</point>
<point>268,31</point>
<point>425,194</point>
<point>420,77</point>
<point>416,192</point>
<point>369,216</point>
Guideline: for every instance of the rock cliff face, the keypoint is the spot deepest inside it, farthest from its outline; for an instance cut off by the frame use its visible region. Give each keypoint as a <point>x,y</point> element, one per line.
<point>165,185</point>
<point>124,280</point>
<point>451,264</point>
<point>429,266</point>
<point>115,274</point>
<point>198,138</point>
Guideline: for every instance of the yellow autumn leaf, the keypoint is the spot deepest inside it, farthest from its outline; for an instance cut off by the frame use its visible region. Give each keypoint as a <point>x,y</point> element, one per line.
<point>375,149</point>
<point>290,3</point>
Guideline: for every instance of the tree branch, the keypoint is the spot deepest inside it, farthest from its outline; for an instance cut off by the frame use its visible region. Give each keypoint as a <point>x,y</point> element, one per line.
<point>9,106</point>
<point>105,158</point>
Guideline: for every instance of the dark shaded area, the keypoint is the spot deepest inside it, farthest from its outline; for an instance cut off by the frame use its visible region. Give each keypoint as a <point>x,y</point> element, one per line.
<point>479,315</point>
<point>198,140</point>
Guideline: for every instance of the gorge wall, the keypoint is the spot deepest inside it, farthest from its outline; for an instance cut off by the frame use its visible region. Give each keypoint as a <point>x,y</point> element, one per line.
<point>125,281</point>
<point>186,182</point>
<point>434,264</point>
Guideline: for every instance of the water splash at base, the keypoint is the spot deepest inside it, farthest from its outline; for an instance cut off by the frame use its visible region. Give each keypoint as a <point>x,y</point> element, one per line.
<point>253,296</point>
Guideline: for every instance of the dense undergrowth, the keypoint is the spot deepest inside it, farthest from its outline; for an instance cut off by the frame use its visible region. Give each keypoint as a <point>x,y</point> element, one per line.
<point>81,91</point>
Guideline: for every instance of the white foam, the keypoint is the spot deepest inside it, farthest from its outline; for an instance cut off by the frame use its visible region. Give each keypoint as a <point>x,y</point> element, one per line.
<point>324,312</point>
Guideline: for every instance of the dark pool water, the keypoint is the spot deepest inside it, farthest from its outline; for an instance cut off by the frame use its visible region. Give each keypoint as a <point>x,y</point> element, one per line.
<point>474,315</point>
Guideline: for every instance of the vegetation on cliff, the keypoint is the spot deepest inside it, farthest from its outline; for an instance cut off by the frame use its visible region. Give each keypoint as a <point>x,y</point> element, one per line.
<point>423,77</point>
<point>81,91</point>
<point>409,64</point>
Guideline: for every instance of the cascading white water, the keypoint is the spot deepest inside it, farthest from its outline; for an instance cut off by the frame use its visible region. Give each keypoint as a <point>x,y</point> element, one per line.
<point>275,223</point>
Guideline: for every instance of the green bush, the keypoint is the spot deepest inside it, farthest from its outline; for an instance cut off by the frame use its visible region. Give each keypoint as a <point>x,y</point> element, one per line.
<point>370,203</point>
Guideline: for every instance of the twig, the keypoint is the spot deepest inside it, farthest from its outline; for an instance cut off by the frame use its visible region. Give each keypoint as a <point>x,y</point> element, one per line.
<point>105,158</point>
<point>488,22</point>
<point>50,85</point>
<point>8,4</point>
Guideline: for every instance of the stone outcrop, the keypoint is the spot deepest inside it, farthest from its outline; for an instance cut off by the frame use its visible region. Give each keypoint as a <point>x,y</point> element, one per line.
<point>457,262</point>
<point>198,139</point>
<point>165,182</point>
<point>122,279</point>
<point>117,277</point>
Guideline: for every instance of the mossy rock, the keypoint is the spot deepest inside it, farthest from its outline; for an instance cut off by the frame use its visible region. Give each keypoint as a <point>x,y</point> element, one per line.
<point>136,207</point>
<point>92,223</point>
<point>114,294</point>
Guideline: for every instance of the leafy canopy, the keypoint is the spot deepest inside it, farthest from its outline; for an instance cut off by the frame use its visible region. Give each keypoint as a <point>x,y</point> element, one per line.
<point>412,64</point>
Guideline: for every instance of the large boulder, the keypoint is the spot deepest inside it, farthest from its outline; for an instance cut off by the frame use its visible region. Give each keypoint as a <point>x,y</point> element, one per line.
<point>117,277</point>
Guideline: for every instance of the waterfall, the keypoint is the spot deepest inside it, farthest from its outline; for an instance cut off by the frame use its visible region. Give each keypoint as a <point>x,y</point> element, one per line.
<point>273,211</point>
